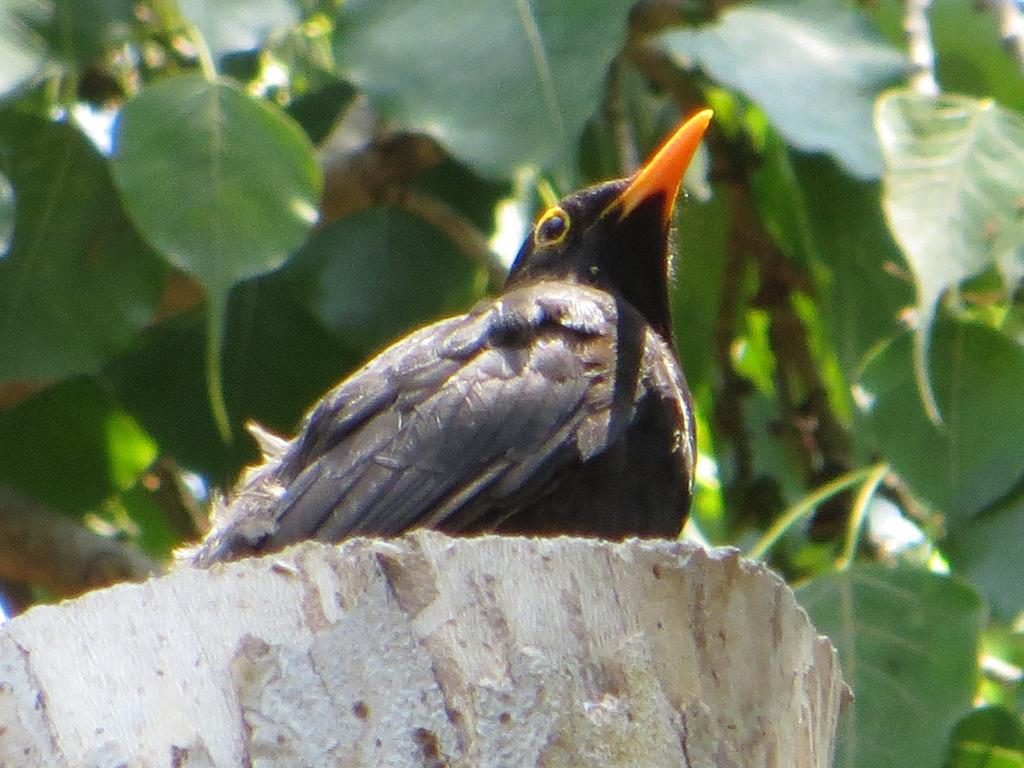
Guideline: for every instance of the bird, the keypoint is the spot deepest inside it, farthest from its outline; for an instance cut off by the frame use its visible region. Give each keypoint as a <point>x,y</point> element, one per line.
<point>557,407</point>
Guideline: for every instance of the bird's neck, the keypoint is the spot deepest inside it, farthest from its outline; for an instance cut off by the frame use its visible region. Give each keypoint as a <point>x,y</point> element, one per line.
<point>650,299</point>
<point>639,273</point>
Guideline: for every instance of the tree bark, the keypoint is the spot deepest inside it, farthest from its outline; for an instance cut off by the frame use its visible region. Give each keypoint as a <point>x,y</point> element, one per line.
<point>429,651</point>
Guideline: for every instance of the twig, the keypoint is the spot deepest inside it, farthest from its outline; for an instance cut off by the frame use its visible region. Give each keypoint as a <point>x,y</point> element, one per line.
<point>469,240</point>
<point>366,165</point>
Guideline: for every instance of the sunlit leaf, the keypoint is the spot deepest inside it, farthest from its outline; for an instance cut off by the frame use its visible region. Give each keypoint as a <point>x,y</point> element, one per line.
<point>508,84</point>
<point>234,197</point>
<point>988,738</point>
<point>814,66</point>
<point>224,185</point>
<point>238,25</point>
<point>23,49</point>
<point>75,432</point>
<point>907,641</point>
<point>953,189</point>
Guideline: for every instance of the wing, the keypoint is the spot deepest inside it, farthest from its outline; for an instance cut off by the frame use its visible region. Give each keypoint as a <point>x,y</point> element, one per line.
<point>470,416</point>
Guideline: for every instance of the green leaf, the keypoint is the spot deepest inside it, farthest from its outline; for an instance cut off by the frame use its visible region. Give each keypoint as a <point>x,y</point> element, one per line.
<point>752,353</point>
<point>149,524</point>
<point>1003,643</point>
<point>988,738</point>
<point>224,185</point>
<point>379,273</point>
<point>907,641</point>
<point>77,282</point>
<point>859,297</point>
<point>473,197</point>
<point>780,201</point>
<point>701,239</point>
<point>318,111</point>
<point>781,478</point>
<point>278,359</point>
<point>986,549</point>
<point>238,25</point>
<point>969,55</point>
<point>509,84</point>
<point>814,66</point>
<point>235,196</point>
<point>784,214</point>
<point>24,51</point>
<point>974,458</point>
<point>160,382</point>
<point>643,113</point>
<point>78,31</point>
<point>129,449</point>
<point>953,188</point>
<point>72,446</point>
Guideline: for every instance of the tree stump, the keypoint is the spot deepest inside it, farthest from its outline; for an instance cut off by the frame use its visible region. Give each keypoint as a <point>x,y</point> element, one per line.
<point>429,651</point>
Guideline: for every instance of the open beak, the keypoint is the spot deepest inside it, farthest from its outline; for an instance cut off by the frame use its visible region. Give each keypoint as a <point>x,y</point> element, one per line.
<point>662,174</point>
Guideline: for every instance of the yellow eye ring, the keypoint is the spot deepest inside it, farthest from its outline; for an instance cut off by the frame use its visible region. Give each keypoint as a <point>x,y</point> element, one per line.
<point>552,227</point>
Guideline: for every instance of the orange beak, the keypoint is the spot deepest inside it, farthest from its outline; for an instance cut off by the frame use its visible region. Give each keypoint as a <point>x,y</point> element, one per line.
<point>662,174</point>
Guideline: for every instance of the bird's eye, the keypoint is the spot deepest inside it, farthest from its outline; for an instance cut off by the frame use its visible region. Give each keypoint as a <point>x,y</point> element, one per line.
<point>552,227</point>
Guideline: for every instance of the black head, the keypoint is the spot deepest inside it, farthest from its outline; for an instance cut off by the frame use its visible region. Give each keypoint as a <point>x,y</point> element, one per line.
<point>614,236</point>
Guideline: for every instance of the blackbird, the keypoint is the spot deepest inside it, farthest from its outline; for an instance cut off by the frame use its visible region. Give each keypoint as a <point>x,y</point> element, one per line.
<point>558,407</point>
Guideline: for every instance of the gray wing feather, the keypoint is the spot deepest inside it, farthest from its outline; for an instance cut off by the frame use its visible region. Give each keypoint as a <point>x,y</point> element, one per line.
<point>437,429</point>
<point>459,439</point>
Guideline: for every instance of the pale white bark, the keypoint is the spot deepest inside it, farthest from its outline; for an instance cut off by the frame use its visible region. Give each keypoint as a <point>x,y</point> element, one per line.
<point>428,651</point>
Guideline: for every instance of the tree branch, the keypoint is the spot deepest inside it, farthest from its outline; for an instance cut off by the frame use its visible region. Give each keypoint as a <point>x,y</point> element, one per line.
<point>49,550</point>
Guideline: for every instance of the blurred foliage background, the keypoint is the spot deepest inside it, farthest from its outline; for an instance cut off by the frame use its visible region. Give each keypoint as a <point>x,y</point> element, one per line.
<point>210,212</point>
